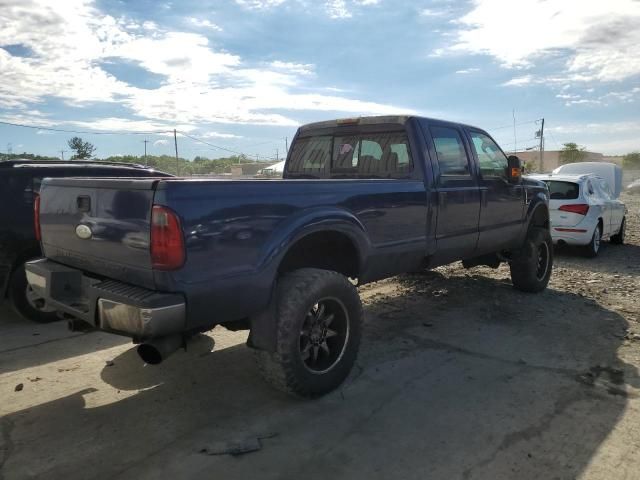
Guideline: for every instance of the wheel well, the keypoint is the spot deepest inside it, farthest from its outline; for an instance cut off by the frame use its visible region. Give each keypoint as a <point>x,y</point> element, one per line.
<point>540,218</point>
<point>21,258</point>
<point>326,250</point>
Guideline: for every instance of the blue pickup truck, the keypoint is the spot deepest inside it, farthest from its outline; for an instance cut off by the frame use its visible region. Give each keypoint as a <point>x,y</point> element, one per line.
<point>159,260</point>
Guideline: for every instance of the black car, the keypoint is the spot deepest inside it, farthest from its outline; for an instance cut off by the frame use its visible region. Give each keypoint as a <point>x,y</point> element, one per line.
<point>19,184</point>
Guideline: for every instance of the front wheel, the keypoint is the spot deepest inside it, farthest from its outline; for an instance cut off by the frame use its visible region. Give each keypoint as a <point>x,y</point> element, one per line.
<point>531,267</point>
<point>319,325</point>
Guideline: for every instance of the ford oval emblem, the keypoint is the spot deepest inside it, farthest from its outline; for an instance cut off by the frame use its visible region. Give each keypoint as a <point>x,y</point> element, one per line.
<point>83,232</point>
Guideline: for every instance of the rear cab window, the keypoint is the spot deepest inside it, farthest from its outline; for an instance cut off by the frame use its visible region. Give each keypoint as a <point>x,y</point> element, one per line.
<point>359,155</point>
<point>450,153</point>
<point>559,190</point>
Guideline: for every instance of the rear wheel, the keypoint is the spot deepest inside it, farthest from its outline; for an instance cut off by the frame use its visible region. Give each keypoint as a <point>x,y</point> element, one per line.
<point>26,302</point>
<point>618,238</point>
<point>319,326</point>
<point>591,250</point>
<point>531,267</point>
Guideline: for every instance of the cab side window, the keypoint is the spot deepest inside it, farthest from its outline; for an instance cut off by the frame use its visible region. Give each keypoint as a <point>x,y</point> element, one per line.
<point>452,158</point>
<point>493,163</point>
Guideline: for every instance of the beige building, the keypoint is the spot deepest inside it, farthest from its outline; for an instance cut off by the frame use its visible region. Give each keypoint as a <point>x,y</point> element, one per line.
<point>551,159</point>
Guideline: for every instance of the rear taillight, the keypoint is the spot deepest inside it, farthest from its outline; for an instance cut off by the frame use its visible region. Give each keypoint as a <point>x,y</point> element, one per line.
<point>579,208</point>
<point>36,216</point>
<point>167,242</point>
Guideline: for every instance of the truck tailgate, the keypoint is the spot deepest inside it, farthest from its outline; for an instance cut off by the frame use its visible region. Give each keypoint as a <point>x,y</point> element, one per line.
<point>99,225</point>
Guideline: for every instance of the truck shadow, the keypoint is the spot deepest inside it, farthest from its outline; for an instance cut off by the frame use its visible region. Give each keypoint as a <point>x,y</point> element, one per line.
<point>458,377</point>
<point>26,344</point>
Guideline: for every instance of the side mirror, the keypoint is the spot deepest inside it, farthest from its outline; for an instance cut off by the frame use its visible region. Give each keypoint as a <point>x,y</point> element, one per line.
<point>514,169</point>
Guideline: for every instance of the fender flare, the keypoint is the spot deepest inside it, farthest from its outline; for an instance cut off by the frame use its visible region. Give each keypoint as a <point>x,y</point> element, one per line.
<point>538,202</point>
<point>263,325</point>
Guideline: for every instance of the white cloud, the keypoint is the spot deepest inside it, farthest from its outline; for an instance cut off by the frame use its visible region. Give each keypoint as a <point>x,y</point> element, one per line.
<point>161,143</point>
<point>518,81</point>
<point>583,101</point>
<point>201,84</point>
<point>600,38</point>
<point>597,127</point>
<point>467,71</point>
<point>431,12</point>
<point>567,96</point>
<point>338,9</point>
<point>608,138</point>
<point>218,135</point>
<point>204,23</point>
<point>259,4</point>
<point>117,124</point>
<point>294,68</point>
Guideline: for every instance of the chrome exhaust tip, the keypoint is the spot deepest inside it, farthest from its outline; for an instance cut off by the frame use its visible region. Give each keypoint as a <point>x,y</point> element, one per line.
<point>158,350</point>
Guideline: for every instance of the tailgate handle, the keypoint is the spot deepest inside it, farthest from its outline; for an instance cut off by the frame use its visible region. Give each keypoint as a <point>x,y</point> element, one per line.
<point>84,203</point>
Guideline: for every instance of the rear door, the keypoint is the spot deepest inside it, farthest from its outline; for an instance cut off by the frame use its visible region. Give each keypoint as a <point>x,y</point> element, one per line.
<point>608,208</point>
<point>394,212</point>
<point>457,192</point>
<point>502,203</point>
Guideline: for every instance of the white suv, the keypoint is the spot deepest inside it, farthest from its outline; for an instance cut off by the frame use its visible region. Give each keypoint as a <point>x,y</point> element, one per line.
<point>584,211</point>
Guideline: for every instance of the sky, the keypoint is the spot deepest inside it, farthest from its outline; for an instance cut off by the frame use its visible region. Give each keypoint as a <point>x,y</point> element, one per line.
<point>244,74</point>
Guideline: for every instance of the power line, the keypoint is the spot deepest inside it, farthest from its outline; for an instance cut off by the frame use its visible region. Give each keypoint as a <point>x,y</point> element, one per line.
<point>196,139</point>
<point>554,139</point>
<point>512,125</point>
<point>521,141</point>
<point>84,132</point>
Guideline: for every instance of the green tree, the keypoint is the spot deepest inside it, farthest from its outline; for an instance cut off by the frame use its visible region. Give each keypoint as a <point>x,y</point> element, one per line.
<point>83,150</point>
<point>631,160</point>
<point>572,153</point>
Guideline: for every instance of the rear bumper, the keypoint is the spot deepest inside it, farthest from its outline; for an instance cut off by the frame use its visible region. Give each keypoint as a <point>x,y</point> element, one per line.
<point>571,235</point>
<point>107,305</point>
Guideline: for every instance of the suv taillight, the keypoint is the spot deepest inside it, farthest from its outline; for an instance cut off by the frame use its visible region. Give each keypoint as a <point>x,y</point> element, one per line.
<point>36,216</point>
<point>579,208</point>
<point>167,242</point>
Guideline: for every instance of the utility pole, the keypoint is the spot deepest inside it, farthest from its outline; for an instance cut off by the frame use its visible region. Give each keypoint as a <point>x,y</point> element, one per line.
<point>175,142</point>
<point>542,147</point>
<point>62,154</point>
<point>145,151</point>
<point>277,155</point>
<point>286,145</point>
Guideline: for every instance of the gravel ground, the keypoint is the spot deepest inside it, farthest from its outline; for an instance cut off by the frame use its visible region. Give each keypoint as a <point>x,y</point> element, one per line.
<point>459,376</point>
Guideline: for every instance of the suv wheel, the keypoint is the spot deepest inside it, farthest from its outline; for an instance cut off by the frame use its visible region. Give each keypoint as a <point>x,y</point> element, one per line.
<point>531,267</point>
<point>319,326</point>
<point>591,250</point>
<point>618,238</point>
<point>25,301</point>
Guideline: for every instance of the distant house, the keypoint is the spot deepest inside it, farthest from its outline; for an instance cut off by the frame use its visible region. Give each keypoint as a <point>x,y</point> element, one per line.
<point>551,159</point>
<point>274,170</point>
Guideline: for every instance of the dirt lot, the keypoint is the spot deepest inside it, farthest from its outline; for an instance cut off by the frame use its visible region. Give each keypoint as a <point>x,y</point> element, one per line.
<point>459,376</point>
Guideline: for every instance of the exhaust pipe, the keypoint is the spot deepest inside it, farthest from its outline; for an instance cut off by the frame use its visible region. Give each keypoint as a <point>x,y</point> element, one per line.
<point>77,325</point>
<point>160,349</point>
